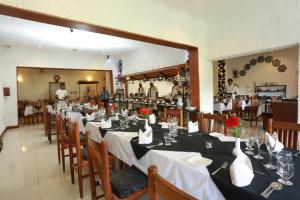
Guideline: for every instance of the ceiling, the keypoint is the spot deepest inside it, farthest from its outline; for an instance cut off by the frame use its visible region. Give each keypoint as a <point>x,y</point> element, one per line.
<point>20,32</point>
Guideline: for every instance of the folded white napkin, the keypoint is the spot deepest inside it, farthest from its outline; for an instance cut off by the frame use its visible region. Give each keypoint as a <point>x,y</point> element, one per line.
<point>124,112</point>
<point>87,105</point>
<point>152,119</point>
<point>241,171</point>
<point>164,124</point>
<point>106,124</point>
<point>69,108</point>
<point>272,138</point>
<point>146,137</point>
<point>193,127</point>
<point>95,107</point>
<point>90,117</point>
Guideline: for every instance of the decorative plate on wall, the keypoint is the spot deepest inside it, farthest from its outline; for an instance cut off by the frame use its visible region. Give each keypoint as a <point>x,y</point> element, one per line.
<point>242,72</point>
<point>268,59</point>
<point>247,67</point>
<point>281,68</point>
<point>56,77</point>
<point>253,62</point>
<point>276,62</point>
<point>260,59</point>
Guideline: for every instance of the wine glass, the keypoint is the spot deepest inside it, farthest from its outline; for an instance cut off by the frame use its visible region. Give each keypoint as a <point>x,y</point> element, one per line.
<point>283,156</point>
<point>258,140</point>
<point>167,137</point>
<point>271,149</point>
<point>248,141</point>
<point>286,173</point>
<point>171,126</point>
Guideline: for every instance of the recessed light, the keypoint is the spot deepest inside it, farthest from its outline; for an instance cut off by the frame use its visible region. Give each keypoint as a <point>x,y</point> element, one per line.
<point>39,46</point>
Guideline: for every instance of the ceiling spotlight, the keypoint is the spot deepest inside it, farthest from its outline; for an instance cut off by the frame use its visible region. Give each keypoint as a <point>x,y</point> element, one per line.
<point>71,29</point>
<point>39,46</point>
<point>128,78</point>
<point>107,57</point>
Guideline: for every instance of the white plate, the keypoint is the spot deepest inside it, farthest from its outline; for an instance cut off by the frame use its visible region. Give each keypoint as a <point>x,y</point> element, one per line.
<point>199,161</point>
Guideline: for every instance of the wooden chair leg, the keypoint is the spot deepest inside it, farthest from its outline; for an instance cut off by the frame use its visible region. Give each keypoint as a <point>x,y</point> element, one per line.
<point>58,147</point>
<point>80,181</point>
<point>63,158</point>
<point>71,164</point>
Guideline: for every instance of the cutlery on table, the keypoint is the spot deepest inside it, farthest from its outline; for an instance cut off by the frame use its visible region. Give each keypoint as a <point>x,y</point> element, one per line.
<point>155,145</point>
<point>112,129</point>
<point>273,186</point>
<point>258,172</point>
<point>224,165</point>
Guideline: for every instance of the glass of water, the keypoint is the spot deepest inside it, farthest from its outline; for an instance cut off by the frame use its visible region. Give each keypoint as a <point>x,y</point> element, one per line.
<point>286,172</point>
<point>167,137</point>
<point>249,143</point>
<point>122,124</point>
<point>259,136</point>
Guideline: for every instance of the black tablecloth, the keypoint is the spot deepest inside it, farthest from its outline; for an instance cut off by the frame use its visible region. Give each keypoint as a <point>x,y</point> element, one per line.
<point>221,152</point>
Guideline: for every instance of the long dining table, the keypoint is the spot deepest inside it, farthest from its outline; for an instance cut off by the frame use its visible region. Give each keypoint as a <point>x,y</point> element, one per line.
<point>173,165</point>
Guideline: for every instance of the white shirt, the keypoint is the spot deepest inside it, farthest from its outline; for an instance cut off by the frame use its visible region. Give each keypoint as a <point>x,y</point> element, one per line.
<point>232,89</point>
<point>141,90</point>
<point>61,94</point>
<point>152,92</point>
<point>175,90</point>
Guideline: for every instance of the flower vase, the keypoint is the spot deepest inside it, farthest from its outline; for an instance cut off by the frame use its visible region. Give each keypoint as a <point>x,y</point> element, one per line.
<point>237,149</point>
<point>146,123</point>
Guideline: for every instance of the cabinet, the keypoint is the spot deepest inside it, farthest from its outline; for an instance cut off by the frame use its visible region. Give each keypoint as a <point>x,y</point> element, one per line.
<point>270,90</point>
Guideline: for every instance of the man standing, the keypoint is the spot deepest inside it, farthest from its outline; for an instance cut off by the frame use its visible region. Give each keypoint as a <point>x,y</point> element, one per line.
<point>141,90</point>
<point>152,91</point>
<point>61,95</point>
<point>175,90</point>
<point>232,89</point>
<point>104,96</point>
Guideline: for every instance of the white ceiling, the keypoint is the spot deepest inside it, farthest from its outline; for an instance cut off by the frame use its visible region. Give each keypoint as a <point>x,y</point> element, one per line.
<point>19,32</point>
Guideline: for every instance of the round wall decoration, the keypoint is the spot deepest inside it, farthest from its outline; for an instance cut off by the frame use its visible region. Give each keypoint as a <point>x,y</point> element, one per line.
<point>247,67</point>
<point>276,62</point>
<point>242,72</point>
<point>253,62</point>
<point>260,59</point>
<point>281,68</point>
<point>268,59</point>
<point>56,78</point>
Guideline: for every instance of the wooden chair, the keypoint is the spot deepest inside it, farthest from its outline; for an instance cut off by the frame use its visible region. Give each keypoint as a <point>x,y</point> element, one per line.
<point>49,124</point>
<point>125,184</point>
<point>62,139</point>
<point>80,154</point>
<point>158,186</point>
<point>174,113</point>
<point>213,123</point>
<point>287,132</point>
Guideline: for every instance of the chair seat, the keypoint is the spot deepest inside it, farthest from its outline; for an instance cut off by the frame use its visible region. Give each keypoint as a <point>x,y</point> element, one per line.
<point>125,182</point>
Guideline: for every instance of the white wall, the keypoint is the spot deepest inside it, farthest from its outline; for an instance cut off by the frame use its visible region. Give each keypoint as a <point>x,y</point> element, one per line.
<point>2,116</point>
<point>264,72</point>
<point>238,27</point>
<point>35,57</point>
<point>152,57</point>
<point>145,17</point>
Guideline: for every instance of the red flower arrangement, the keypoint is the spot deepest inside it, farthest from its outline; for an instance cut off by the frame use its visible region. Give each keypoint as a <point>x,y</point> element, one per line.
<point>144,112</point>
<point>233,123</point>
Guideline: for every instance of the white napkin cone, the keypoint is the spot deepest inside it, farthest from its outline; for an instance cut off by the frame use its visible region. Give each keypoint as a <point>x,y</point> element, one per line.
<point>95,107</point>
<point>69,108</point>
<point>272,138</point>
<point>193,127</point>
<point>146,137</point>
<point>90,117</point>
<point>152,119</point>
<point>106,124</point>
<point>241,171</point>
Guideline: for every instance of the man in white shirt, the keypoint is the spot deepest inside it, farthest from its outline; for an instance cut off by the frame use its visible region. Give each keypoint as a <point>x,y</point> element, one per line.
<point>175,90</point>
<point>232,89</point>
<point>152,91</point>
<point>141,90</point>
<point>61,93</point>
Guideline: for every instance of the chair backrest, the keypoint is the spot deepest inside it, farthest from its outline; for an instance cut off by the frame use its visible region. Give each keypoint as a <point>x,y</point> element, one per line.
<point>98,156</point>
<point>60,129</point>
<point>75,134</point>
<point>47,120</point>
<point>174,113</point>
<point>213,123</point>
<point>287,132</point>
<point>158,186</point>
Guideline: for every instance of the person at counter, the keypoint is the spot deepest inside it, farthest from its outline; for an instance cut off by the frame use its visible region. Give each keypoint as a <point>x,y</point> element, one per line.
<point>104,96</point>
<point>152,91</point>
<point>61,95</point>
<point>232,89</point>
<point>175,90</point>
<point>87,94</point>
<point>141,90</point>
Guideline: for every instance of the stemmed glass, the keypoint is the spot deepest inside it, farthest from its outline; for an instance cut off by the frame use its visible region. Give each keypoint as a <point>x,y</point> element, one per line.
<point>286,172</point>
<point>258,140</point>
<point>167,137</point>
<point>249,142</point>
<point>271,149</point>
<point>172,130</point>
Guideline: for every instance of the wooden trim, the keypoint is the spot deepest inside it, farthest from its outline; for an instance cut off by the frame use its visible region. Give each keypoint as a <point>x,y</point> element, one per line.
<point>6,129</point>
<point>111,82</point>
<point>60,68</point>
<point>55,20</point>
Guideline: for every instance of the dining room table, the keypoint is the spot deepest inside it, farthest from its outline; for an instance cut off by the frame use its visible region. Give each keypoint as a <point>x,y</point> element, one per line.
<point>174,164</point>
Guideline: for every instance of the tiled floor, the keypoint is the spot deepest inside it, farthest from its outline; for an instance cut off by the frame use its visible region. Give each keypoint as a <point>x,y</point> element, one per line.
<point>29,168</point>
